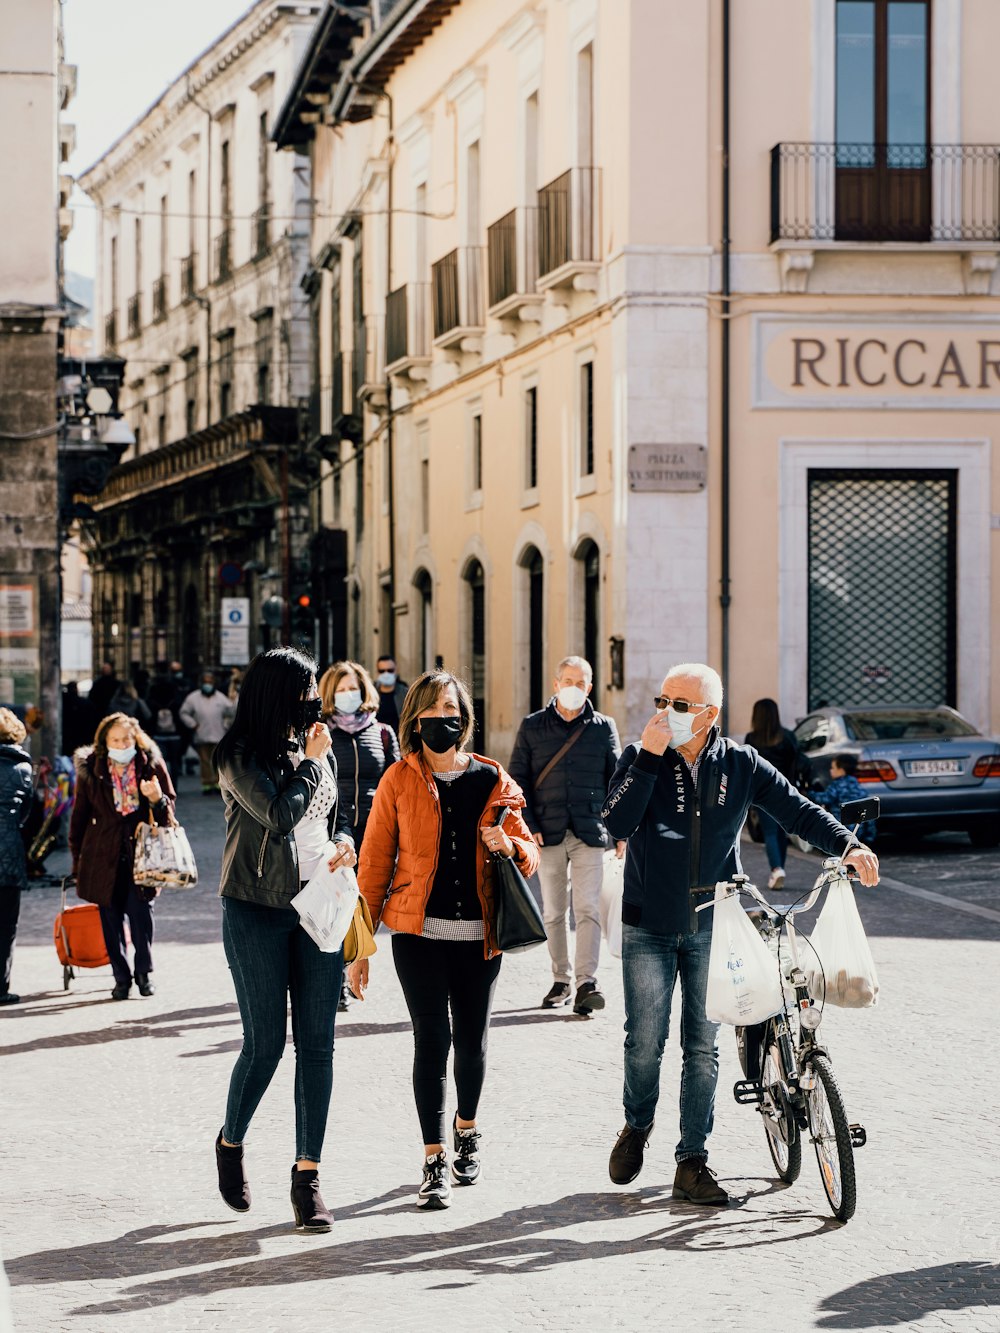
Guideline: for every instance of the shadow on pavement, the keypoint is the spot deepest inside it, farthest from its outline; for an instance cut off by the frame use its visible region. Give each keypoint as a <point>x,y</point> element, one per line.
<point>515,1242</point>
<point>905,1298</point>
<point>129,1028</point>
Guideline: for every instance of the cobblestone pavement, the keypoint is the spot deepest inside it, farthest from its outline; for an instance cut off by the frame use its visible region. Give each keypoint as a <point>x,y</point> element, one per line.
<point>110,1219</point>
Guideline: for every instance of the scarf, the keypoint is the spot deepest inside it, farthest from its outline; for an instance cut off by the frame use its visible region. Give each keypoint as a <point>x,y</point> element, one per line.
<point>350,723</point>
<point>125,784</point>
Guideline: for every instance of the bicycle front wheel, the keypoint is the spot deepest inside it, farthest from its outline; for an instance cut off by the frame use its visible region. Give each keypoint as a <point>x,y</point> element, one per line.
<point>831,1136</point>
<point>783,1140</point>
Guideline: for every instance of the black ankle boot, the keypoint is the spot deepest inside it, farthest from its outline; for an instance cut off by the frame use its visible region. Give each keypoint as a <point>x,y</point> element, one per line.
<point>233,1184</point>
<point>145,983</point>
<point>311,1213</point>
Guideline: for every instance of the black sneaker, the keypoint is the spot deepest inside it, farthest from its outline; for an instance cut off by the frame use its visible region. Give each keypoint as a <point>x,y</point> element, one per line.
<point>558,995</point>
<point>627,1154</point>
<point>588,998</point>
<point>465,1166</point>
<point>435,1188</point>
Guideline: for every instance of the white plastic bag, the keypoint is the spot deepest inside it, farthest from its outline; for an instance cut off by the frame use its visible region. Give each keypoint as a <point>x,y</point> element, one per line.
<point>744,983</point>
<point>326,904</point>
<point>841,947</point>
<point>612,888</point>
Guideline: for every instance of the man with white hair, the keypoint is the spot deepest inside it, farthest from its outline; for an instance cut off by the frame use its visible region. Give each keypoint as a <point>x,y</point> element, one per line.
<point>563,759</point>
<point>680,798</point>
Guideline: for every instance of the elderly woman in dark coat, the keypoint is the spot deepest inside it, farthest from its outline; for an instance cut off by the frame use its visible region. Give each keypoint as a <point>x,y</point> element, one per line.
<point>15,803</point>
<point>119,780</point>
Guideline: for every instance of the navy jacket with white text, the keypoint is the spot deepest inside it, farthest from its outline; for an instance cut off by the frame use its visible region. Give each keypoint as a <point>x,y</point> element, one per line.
<point>680,839</point>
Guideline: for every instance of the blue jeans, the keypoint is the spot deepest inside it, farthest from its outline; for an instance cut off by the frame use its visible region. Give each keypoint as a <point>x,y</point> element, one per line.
<point>775,841</point>
<point>271,958</point>
<point>650,965</point>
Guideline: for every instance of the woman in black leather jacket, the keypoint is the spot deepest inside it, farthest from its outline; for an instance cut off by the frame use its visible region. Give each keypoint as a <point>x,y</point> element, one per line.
<point>15,803</point>
<point>280,792</point>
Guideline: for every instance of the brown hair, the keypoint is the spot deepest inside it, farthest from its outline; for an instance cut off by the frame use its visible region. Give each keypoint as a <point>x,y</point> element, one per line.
<point>765,723</point>
<point>424,693</point>
<point>119,719</point>
<point>332,677</point>
<point>12,729</point>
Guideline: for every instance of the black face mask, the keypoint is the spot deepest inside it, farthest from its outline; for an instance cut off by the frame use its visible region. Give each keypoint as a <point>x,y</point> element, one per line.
<point>307,711</point>
<point>440,733</point>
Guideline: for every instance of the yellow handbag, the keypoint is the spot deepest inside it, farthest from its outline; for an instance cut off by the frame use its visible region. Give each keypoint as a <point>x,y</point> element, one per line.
<point>359,942</point>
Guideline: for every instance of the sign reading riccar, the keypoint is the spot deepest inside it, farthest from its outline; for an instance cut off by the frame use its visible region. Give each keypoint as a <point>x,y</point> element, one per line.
<point>874,361</point>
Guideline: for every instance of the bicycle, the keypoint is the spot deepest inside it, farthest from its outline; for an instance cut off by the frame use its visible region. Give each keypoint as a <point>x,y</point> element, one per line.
<point>788,1073</point>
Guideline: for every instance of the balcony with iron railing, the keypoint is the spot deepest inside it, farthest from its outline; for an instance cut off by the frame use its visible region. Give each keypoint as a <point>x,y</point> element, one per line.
<point>875,193</point>
<point>189,276</point>
<point>459,308</point>
<point>160,299</point>
<point>260,231</point>
<point>569,230</point>
<point>407,331</point>
<point>111,331</point>
<point>224,255</point>
<point>134,315</point>
<point>512,264</point>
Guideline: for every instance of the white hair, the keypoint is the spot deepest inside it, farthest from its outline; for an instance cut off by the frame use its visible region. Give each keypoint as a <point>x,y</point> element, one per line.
<point>708,677</point>
<point>578,664</point>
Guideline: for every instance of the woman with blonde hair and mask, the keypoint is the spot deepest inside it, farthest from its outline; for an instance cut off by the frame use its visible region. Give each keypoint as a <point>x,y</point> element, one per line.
<point>426,870</point>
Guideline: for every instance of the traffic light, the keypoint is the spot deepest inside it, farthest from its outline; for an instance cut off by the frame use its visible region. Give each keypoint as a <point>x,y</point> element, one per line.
<point>303,620</point>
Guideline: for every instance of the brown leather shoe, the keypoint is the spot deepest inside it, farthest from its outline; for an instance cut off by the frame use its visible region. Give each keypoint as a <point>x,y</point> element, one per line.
<point>626,1155</point>
<point>695,1182</point>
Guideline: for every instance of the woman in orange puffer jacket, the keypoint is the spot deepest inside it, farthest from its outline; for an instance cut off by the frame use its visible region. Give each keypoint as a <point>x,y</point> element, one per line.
<point>426,872</point>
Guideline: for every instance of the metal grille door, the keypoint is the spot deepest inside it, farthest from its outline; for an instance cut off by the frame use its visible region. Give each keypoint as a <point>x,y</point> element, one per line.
<point>882,587</point>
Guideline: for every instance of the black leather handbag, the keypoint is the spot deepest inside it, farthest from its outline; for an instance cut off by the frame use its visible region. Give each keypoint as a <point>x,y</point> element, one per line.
<point>519,924</point>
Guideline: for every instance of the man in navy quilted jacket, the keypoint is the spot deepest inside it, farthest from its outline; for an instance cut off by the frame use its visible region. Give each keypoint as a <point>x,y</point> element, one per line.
<point>680,798</point>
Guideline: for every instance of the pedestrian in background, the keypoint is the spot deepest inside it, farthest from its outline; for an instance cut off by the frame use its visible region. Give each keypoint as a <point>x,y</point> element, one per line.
<point>126,700</point>
<point>120,779</point>
<point>15,805</point>
<point>207,713</point>
<point>426,871</point>
<point>780,748</point>
<point>77,719</point>
<point>391,691</point>
<point>363,749</point>
<point>280,790</point>
<point>164,706</point>
<point>101,691</point>
<point>843,787</point>
<point>681,797</point>
<point>563,759</point>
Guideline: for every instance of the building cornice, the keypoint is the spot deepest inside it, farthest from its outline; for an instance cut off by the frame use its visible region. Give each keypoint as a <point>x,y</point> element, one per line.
<point>211,65</point>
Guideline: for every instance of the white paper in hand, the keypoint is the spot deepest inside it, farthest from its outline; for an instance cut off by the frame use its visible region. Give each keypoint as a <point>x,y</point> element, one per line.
<point>326,904</point>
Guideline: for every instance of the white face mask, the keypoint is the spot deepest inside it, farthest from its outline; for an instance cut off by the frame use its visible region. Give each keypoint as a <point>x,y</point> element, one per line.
<point>572,698</point>
<point>681,727</point>
<point>386,678</point>
<point>347,701</point>
<point>122,756</point>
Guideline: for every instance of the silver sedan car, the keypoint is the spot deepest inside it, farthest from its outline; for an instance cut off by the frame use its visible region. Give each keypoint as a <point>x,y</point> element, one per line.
<point>930,767</point>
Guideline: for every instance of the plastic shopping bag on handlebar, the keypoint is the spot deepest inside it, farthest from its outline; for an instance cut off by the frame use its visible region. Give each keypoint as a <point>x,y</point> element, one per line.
<point>744,983</point>
<point>840,966</point>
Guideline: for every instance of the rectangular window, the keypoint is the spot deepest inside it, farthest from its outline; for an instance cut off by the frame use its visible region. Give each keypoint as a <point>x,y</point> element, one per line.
<point>190,360</point>
<point>192,211</point>
<point>531,437</point>
<point>585,107</point>
<point>425,496</point>
<point>162,404</point>
<point>264,346</point>
<point>476,453</point>
<point>225,183</point>
<point>587,419</point>
<point>263,161</point>
<point>227,369</point>
<point>473,195</point>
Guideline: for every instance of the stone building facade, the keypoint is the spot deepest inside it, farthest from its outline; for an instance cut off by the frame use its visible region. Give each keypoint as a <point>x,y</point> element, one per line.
<point>202,249</point>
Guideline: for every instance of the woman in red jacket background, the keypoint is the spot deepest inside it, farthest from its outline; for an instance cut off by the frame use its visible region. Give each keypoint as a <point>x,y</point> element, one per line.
<point>426,871</point>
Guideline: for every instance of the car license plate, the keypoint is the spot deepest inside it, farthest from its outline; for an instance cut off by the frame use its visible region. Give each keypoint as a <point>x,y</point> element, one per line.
<point>932,768</point>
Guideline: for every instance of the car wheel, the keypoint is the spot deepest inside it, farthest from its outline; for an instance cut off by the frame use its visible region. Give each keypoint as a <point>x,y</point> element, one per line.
<point>986,834</point>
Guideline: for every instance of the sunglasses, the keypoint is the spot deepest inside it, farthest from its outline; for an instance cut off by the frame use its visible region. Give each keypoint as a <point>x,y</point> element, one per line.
<point>678,705</point>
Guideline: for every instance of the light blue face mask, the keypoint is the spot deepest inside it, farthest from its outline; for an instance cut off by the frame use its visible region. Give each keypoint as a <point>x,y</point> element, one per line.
<point>122,756</point>
<point>681,727</point>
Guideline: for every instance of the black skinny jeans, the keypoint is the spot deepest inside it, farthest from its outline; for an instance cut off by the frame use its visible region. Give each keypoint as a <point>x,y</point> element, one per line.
<point>435,974</point>
<point>10,910</point>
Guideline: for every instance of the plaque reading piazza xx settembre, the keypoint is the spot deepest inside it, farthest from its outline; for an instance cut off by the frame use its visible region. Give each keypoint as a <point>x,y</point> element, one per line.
<point>666,467</point>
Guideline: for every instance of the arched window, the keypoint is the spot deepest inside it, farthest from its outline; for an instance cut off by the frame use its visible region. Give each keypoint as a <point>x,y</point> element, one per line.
<point>589,583</point>
<point>425,625</point>
<point>475,582</point>
<point>534,573</point>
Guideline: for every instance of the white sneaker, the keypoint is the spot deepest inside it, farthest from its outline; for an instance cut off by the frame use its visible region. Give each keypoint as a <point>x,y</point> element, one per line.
<point>435,1188</point>
<point>776,879</point>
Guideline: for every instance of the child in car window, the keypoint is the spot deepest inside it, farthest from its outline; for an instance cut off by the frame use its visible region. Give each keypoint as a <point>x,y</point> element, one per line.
<point>843,787</point>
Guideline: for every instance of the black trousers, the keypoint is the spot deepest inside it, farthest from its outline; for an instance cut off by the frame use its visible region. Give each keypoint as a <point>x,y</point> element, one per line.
<point>10,910</point>
<point>438,975</point>
<point>128,901</point>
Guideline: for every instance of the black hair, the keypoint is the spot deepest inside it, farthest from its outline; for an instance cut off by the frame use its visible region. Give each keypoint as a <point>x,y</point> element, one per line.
<point>848,762</point>
<point>274,683</point>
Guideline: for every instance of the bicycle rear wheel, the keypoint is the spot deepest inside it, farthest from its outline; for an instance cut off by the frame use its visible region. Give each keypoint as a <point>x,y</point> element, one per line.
<point>783,1139</point>
<point>831,1136</point>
